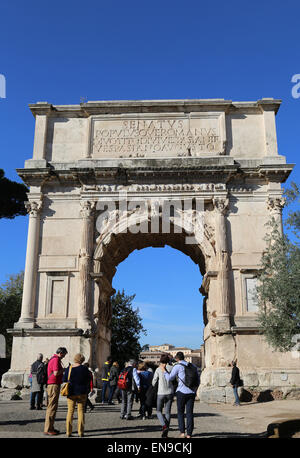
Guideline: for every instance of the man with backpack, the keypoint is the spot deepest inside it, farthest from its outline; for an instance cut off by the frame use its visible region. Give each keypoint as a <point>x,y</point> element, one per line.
<point>188,382</point>
<point>36,398</point>
<point>129,383</point>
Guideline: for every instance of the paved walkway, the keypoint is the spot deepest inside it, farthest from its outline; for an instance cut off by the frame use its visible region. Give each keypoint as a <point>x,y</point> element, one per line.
<point>255,417</point>
<point>211,421</point>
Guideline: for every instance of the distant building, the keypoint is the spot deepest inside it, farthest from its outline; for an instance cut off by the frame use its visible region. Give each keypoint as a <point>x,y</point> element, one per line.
<point>192,356</point>
<point>151,356</point>
<point>163,347</point>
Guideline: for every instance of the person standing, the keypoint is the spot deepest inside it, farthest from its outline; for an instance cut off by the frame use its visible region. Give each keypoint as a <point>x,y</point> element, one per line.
<point>128,393</point>
<point>80,379</point>
<point>30,384</point>
<point>91,388</point>
<point>145,381</point>
<point>185,394</point>
<point>45,393</point>
<point>165,394</point>
<point>105,377</point>
<point>55,375</point>
<point>36,398</point>
<point>113,382</point>
<point>235,382</point>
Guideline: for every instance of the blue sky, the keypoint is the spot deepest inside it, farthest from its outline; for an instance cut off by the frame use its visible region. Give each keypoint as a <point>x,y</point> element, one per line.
<point>61,51</point>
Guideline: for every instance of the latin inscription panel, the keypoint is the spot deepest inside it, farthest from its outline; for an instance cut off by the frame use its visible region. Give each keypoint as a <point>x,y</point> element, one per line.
<point>158,137</point>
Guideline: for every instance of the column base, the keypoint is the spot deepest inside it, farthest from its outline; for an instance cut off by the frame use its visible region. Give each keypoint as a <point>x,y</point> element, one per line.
<point>27,323</point>
<point>28,342</point>
<point>222,324</point>
<point>259,385</point>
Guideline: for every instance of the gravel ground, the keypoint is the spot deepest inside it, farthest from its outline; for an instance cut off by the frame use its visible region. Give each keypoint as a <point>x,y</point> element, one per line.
<point>16,420</point>
<point>211,421</point>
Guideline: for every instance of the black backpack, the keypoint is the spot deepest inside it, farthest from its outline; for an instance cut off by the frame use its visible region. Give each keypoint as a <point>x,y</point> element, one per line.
<point>42,374</point>
<point>191,376</point>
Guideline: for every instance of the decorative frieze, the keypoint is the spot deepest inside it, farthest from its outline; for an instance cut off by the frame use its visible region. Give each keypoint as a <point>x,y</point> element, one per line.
<point>201,187</point>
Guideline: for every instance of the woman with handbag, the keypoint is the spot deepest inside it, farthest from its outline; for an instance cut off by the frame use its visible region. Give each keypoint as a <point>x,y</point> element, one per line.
<point>78,379</point>
<point>165,394</point>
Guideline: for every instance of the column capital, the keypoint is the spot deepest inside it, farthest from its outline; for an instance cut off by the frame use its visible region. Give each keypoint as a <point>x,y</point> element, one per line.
<point>275,205</point>
<point>221,205</point>
<point>87,208</point>
<point>33,207</point>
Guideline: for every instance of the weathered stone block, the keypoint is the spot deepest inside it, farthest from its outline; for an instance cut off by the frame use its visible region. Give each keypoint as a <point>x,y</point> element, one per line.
<point>12,379</point>
<point>264,379</point>
<point>229,394</point>
<point>250,379</point>
<point>221,377</point>
<point>292,393</point>
<point>206,377</point>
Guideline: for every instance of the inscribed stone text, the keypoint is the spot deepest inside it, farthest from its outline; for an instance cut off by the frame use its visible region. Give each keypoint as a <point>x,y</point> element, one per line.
<point>140,138</point>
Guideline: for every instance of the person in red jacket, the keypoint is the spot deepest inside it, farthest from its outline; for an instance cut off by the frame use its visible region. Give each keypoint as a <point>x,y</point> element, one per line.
<point>55,376</point>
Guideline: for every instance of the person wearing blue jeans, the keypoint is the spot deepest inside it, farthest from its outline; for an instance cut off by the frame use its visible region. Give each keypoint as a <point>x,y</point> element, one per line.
<point>235,382</point>
<point>165,394</point>
<point>235,392</point>
<point>185,395</point>
<point>128,393</point>
<point>185,402</point>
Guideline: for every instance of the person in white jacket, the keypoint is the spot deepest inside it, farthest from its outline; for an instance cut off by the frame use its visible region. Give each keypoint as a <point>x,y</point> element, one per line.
<point>165,394</point>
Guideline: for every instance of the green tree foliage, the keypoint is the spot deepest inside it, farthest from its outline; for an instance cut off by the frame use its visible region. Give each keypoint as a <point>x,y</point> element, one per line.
<point>278,288</point>
<point>10,306</point>
<point>12,197</point>
<point>293,198</point>
<point>126,327</point>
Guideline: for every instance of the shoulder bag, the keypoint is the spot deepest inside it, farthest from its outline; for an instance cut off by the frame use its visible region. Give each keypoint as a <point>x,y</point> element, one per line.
<point>65,388</point>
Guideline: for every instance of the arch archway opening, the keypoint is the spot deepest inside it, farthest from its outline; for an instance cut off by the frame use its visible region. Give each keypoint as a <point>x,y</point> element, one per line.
<point>108,256</point>
<point>165,283</point>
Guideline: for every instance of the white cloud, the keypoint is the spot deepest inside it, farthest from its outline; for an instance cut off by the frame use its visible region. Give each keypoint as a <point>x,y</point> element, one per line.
<point>148,311</point>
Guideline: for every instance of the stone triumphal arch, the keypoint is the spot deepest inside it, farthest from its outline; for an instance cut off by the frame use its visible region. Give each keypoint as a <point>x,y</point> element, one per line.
<point>91,160</point>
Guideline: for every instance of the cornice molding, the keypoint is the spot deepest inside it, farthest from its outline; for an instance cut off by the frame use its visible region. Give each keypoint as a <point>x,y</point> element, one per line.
<point>90,108</point>
<point>204,171</point>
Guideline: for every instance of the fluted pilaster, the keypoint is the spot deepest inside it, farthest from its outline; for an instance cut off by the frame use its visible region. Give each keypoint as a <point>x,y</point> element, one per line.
<point>85,260</point>
<point>27,312</point>
<point>221,207</point>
